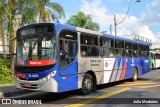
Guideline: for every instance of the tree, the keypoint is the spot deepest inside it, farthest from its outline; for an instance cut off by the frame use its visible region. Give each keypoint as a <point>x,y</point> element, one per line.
<point>48,10</point>
<point>9,9</point>
<point>2,20</point>
<point>26,12</point>
<point>83,21</point>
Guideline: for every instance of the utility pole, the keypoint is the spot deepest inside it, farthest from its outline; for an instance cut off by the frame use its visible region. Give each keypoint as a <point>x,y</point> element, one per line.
<point>111,29</point>
<point>115,25</point>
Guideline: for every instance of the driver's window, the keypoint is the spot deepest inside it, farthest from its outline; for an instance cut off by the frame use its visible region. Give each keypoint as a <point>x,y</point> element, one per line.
<point>67,48</point>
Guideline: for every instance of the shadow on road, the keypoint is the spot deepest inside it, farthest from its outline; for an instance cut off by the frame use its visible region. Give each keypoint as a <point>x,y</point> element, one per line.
<point>46,97</point>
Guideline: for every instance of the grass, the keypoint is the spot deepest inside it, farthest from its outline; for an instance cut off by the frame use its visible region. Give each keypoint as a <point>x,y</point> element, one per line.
<point>6,82</point>
<point>5,72</point>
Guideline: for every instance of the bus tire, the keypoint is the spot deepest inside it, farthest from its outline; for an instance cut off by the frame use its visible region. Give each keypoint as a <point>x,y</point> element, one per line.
<point>135,74</point>
<point>87,84</point>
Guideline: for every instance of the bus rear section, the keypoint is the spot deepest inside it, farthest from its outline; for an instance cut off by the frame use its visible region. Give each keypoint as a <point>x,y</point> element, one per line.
<point>113,59</point>
<point>155,59</point>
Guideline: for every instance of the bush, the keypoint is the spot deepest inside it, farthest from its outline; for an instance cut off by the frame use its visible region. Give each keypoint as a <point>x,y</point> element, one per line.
<point>5,72</point>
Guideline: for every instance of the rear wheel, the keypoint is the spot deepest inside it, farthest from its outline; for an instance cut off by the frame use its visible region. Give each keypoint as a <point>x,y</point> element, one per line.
<point>135,75</point>
<point>87,84</point>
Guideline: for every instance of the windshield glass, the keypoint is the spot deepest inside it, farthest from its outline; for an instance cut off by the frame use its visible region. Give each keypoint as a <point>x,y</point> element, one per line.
<point>35,51</point>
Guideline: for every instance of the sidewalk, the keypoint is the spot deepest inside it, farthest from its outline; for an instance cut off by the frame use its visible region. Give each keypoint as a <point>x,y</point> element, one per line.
<point>7,89</point>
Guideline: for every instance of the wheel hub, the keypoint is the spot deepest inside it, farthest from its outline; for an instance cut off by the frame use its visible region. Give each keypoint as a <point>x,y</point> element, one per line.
<point>87,84</point>
<point>135,76</point>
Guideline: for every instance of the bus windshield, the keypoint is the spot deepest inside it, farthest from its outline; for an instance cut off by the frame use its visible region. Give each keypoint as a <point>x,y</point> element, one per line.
<point>35,50</point>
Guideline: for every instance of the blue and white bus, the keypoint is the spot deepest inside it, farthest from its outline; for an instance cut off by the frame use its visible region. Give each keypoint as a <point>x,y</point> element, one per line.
<point>57,58</point>
<point>155,59</point>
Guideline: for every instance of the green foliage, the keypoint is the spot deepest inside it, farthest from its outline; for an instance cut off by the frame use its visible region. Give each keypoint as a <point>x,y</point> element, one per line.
<point>48,10</point>
<point>5,72</point>
<point>83,21</point>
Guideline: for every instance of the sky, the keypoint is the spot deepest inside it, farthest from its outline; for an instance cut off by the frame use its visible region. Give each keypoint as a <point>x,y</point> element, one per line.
<point>143,18</point>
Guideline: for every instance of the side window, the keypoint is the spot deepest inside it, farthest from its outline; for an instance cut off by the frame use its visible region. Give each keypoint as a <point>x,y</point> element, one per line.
<point>106,47</point>
<point>140,51</point>
<point>146,51</point>
<point>151,55</point>
<point>89,45</point>
<point>128,51</point>
<point>84,51</point>
<point>67,47</point>
<point>134,50</point>
<point>119,48</point>
<point>157,56</point>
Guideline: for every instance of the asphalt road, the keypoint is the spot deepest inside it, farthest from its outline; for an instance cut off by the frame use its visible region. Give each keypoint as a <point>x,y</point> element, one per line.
<point>143,93</point>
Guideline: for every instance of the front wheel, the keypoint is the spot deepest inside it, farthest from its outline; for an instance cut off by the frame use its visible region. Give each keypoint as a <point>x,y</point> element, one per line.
<point>135,75</point>
<point>87,84</point>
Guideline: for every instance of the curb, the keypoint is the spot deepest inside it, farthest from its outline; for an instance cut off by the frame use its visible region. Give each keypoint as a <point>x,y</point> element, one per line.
<point>1,95</point>
<point>9,94</point>
<point>4,85</point>
<point>14,93</point>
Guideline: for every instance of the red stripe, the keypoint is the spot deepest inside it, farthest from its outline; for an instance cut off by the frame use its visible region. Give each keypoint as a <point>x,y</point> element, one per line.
<point>123,71</point>
<point>40,62</point>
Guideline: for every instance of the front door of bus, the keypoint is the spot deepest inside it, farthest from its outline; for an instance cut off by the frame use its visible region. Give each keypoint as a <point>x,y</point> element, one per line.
<point>68,63</point>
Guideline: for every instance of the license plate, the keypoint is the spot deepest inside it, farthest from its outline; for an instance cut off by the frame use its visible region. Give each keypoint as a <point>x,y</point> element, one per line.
<point>27,85</point>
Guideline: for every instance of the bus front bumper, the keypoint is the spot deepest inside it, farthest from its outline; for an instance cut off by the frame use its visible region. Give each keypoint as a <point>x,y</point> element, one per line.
<point>48,85</point>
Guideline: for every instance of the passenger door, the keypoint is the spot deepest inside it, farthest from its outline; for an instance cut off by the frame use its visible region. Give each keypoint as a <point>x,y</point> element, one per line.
<point>68,61</point>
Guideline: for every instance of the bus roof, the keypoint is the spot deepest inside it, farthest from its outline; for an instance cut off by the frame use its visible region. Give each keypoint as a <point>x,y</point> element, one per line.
<point>100,34</point>
<point>64,26</point>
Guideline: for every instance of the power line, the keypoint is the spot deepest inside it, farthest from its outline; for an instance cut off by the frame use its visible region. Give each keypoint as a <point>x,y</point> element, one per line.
<point>103,17</point>
<point>127,28</point>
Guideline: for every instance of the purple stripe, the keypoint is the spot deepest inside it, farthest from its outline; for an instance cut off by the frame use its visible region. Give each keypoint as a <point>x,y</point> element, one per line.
<point>113,69</point>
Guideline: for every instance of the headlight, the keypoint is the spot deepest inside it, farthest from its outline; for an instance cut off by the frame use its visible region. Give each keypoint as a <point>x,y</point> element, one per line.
<point>52,74</point>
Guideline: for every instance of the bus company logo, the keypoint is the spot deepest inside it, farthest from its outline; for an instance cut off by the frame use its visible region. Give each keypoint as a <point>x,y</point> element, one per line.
<point>86,63</point>
<point>106,64</point>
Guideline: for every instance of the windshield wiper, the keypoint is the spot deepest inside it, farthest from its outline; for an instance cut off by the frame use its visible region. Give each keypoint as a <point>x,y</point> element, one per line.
<point>37,41</point>
<point>23,44</point>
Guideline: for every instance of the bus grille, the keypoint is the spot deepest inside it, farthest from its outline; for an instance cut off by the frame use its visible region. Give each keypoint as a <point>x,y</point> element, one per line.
<point>33,86</point>
<point>34,79</point>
